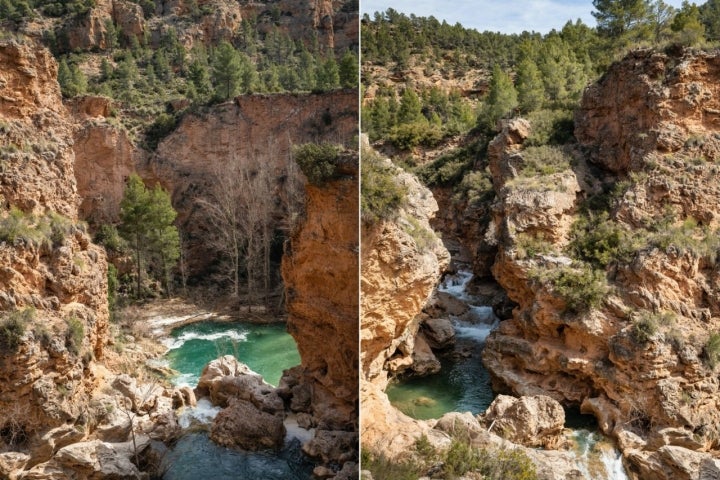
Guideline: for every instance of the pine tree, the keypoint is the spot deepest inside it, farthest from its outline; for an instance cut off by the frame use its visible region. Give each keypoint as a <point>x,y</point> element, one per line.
<point>226,71</point>
<point>349,70</point>
<point>328,75</point>
<point>146,224</point>
<point>687,26</point>
<point>501,99</point>
<point>65,79</point>
<point>530,87</point>
<point>200,78</point>
<point>617,18</point>
<point>410,110</point>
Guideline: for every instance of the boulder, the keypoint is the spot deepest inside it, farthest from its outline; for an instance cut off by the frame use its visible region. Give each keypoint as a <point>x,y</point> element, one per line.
<point>439,333</point>
<point>243,425</point>
<point>225,378</point>
<point>332,446</point>
<point>424,360</point>
<point>536,421</point>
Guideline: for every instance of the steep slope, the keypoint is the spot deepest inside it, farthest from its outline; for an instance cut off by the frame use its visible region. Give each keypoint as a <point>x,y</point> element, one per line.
<point>613,262</point>
<point>399,272</point>
<point>53,280</point>
<point>320,271</point>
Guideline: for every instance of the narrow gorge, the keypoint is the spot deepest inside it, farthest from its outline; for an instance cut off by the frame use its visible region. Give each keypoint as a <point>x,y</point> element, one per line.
<point>598,257</point>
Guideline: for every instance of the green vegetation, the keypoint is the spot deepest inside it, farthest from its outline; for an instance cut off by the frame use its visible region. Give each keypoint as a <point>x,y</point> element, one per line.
<point>12,329</point>
<point>579,285</point>
<point>45,231</point>
<point>74,335</point>
<point>318,161</point>
<point>712,350</point>
<point>424,238</point>
<point>147,226</point>
<point>458,460</point>
<point>382,195</point>
<point>529,246</point>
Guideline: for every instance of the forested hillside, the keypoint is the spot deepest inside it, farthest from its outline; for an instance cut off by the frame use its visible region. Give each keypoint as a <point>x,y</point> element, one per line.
<point>145,54</point>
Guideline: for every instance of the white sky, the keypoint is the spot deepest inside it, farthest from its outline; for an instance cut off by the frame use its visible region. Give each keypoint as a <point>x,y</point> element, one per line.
<point>511,16</point>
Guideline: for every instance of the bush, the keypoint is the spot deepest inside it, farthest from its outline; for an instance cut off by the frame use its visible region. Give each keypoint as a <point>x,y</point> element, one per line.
<point>424,238</point>
<point>75,335</point>
<point>544,160</point>
<point>712,350</point>
<point>381,195</point>
<point>20,227</point>
<point>317,161</point>
<point>12,329</point>
<point>580,286</point>
<point>383,468</point>
<point>550,127</point>
<point>449,169</point>
<point>108,236</point>
<point>475,188</point>
<point>598,240</point>
<point>644,329</point>
<point>492,465</point>
<point>410,135</point>
<point>159,129</point>
<point>529,246</point>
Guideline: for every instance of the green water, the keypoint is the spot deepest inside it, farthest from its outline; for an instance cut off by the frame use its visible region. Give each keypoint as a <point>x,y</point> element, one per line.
<point>266,349</point>
<point>463,385</point>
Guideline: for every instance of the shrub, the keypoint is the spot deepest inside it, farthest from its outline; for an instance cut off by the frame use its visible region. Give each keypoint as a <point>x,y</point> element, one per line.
<point>475,188</point>
<point>12,329</point>
<point>580,286</point>
<point>544,160</point>
<point>529,246</point>
<point>317,161</point>
<point>550,127</point>
<point>598,240</point>
<point>644,328</point>
<point>381,194</point>
<point>410,135</point>
<point>108,236</point>
<point>163,125</point>
<point>712,350</point>
<point>492,465</point>
<point>50,229</point>
<point>424,238</point>
<point>75,335</point>
<point>448,169</point>
<point>383,468</point>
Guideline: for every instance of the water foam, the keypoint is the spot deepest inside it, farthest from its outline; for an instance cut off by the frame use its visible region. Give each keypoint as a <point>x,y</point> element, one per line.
<point>203,413</point>
<point>175,343</point>
<point>455,284</point>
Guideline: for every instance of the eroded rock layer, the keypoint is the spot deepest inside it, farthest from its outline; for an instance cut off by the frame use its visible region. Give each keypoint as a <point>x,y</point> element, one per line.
<point>320,272</point>
<point>621,323</point>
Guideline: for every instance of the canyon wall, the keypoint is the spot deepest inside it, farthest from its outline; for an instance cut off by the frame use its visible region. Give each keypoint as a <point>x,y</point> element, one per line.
<point>620,323</point>
<point>53,288</point>
<point>399,273</point>
<point>320,273</point>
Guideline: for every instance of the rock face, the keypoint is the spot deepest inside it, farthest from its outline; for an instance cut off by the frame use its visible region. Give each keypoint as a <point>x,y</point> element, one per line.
<point>254,128</point>
<point>397,278</point>
<point>638,360</point>
<point>52,275</point>
<point>531,421</point>
<point>320,272</point>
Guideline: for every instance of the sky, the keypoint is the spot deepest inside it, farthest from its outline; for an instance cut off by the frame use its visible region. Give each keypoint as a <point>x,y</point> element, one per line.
<point>510,16</point>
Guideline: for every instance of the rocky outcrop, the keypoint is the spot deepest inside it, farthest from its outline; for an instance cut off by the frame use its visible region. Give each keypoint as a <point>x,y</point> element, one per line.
<point>242,425</point>
<point>398,275</point>
<point>638,359</point>
<point>531,421</point>
<point>320,272</point>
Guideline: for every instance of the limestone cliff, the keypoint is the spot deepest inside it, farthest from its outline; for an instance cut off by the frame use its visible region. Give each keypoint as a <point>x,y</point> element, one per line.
<point>320,272</point>
<point>53,279</point>
<point>401,264</point>
<point>616,315</point>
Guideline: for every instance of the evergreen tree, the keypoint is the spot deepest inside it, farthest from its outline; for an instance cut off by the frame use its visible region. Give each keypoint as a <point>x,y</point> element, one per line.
<point>65,79</point>
<point>687,25</point>
<point>328,75</point>
<point>226,71</point>
<point>530,87</point>
<point>146,224</point>
<point>501,99</point>
<point>710,16</point>
<point>661,16</point>
<point>410,110</point>
<point>617,18</point>
<point>200,78</point>
<point>349,70</point>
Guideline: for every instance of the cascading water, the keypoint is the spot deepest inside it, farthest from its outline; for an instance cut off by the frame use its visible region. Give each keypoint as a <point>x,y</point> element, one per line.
<point>266,349</point>
<point>463,385</point>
